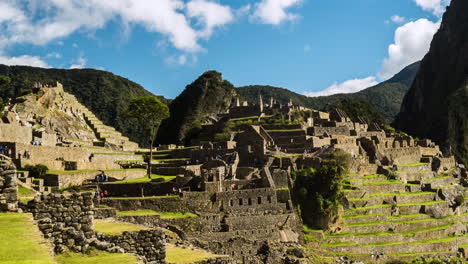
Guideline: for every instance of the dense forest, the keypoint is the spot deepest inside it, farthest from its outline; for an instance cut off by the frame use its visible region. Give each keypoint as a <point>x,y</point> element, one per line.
<point>104,93</point>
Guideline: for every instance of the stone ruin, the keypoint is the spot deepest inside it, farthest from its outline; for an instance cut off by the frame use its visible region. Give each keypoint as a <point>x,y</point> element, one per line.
<point>239,189</point>
<point>8,185</point>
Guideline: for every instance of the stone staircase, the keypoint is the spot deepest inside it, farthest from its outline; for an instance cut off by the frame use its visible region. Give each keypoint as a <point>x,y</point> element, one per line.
<point>105,134</point>
<point>399,219</point>
<point>290,138</point>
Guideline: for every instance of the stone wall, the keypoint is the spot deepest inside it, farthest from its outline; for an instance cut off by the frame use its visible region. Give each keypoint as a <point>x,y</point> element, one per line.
<point>320,131</point>
<point>66,221</point>
<point>146,243</point>
<point>8,187</point>
<point>15,133</point>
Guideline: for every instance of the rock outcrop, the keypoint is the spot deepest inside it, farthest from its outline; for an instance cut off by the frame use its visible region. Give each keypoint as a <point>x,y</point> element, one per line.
<point>435,106</point>
<point>198,104</point>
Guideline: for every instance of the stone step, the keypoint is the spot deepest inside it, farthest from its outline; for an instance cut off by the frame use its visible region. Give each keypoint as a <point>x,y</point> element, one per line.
<point>413,167</point>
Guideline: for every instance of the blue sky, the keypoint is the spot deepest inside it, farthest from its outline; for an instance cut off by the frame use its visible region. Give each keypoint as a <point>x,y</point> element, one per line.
<point>312,47</point>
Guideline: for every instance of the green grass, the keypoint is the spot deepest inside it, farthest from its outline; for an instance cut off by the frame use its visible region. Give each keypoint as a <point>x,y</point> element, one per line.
<point>338,244</point>
<point>384,244</point>
<point>282,189</point>
<point>424,203</point>
<point>96,257</point>
<point>407,216</point>
<point>371,207</point>
<point>381,182</point>
<point>137,213</point>
<point>362,215</point>
<point>417,254</point>
<point>20,242</point>
<point>413,164</point>
<point>163,215</point>
<point>176,215</point>
<point>115,227</point>
<point>143,198</point>
<point>60,172</point>
<point>432,241</point>
<point>401,194</point>
<point>179,159</point>
<point>25,191</point>
<point>180,255</point>
<point>144,179</point>
<point>25,200</point>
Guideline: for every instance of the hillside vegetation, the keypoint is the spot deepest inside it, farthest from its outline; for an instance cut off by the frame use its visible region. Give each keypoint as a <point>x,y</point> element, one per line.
<point>196,105</point>
<point>105,94</point>
<point>386,97</point>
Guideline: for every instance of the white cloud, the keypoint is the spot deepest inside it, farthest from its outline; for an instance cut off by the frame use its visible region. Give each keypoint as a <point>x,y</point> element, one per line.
<point>183,59</point>
<point>307,48</point>
<point>24,60</point>
<point>209,15</point>
<point>275,12</point>
<point>80,63</point>
<point>54,55</point>
<point>437,7</point>
<point>397,19</point>
<point>412,42</point>
<point>350,86</point>
<point>39,22</point>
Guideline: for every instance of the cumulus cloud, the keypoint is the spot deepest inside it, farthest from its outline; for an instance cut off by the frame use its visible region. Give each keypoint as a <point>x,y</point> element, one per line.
<point>39,22</point>
<point>209,15</point>
<point>24,60</point>
<point>54,55</point>
<point>437,7</point>
<point>80,63</point>
<point>412,42</point>
<point>397,19</point>
<point>350,86</point>
<point>275,12</point>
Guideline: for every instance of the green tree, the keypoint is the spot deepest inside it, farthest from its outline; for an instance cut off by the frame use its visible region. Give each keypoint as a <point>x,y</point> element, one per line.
<point>148,111</point>
<point>318,191</point>
<point>4,80</point>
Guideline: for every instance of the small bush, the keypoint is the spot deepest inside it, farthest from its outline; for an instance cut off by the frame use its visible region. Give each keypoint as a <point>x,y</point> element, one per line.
<point>36,171</point>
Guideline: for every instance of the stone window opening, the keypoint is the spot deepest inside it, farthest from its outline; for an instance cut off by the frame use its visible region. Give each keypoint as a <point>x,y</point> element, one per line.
<point>250,201</point>
<point>259,200</point>
<point>241,202</point>
<point>231,203</point>
<point>269,199</point>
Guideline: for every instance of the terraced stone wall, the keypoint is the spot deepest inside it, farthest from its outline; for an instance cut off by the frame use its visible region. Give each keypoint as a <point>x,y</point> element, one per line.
<point>15,133</point>
<point>66,221</point>
<point>77,178</point>
<point>146,243</point>
<point>8,187</point>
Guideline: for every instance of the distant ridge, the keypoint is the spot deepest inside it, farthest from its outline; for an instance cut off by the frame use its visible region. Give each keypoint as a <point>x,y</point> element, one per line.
<point>386,97</point>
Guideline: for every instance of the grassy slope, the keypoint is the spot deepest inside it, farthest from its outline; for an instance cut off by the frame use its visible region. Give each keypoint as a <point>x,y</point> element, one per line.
<point>20,242</point>
<point>96,257</point>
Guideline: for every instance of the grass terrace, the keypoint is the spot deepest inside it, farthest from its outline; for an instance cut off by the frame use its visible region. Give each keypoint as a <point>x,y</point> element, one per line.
<point>179,255</point>
<point>145,179</point>
<point>143,198</point>
<point>60,172</point>
<point>115,227</point>
<point>96,257</point>
<point>163,215</point>
<point>21,242</point>
<point>413,164</point>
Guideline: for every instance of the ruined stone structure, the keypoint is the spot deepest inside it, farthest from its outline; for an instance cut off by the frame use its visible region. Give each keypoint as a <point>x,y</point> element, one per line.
<point>8,185</point>
<point>237,189</point>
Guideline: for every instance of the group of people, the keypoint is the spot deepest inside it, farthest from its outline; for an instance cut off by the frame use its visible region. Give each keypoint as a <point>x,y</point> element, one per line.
<point>36,143</point>
<point>26,154</point>
<point>5,150</point>
<point>102,177</point>
<point>100,195</point>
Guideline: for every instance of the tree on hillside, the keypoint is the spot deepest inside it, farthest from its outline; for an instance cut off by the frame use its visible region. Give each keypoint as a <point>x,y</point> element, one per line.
<point>148,111</point>
<point>4,80</point>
